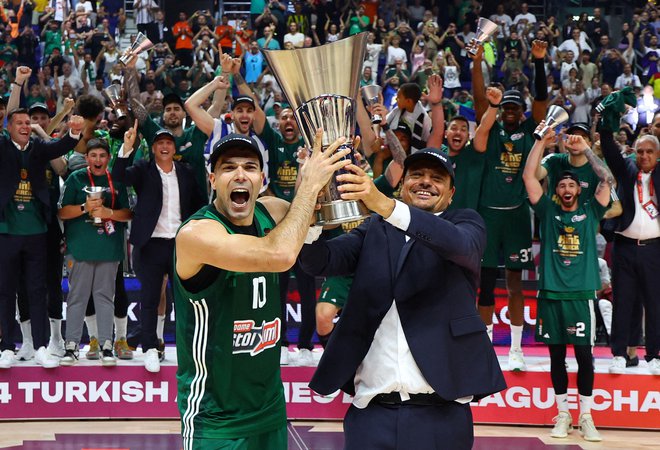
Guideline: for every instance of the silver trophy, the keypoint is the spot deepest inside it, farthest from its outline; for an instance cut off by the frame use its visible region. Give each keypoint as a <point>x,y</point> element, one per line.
<point>115,96</point>
<point>95,192</point>
<point>370,95</point>
<point>141,44</point>
<point>321,85</point>
<point>485,29</point>
<point>555,117</point>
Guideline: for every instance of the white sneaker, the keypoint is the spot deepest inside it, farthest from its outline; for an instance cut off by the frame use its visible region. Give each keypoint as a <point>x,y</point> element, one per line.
<point>45,359</point>
<point>654,366</point>
<point>588,429</point>
<point>26,352</point>
<point>152,360</point>
<point>7,359</point>
<point>56,348</point>
<point>563,425</point>
<point>305,358</point>
<point>517,361</point>
<point>618,365</point>
<point>284,356</point>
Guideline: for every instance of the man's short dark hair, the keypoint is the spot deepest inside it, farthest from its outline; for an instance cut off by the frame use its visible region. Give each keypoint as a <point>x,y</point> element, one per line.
<point>17,111</point>
<point>96,143</point>
<point>411,91</point>
<point>460,119</point>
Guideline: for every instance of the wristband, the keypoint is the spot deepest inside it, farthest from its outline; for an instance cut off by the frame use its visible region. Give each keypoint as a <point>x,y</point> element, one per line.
<point>18,84</point>
<point>385,126</point>
<point>492,105</point>
<point>82,208</point>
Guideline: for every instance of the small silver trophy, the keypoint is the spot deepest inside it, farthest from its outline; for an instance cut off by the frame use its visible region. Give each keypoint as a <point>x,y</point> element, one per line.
<point>555,117</point>
<point>485,29</point>
<point>141,44</point>
<point>95,192</point>
<point>370,95</point>
<point>115,96</point>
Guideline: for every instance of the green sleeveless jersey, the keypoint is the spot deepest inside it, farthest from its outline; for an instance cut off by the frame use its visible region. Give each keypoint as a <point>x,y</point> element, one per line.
<point>506,153</point>
<point>569,260</point>
<point>557,163</point>
<point>228,349</point>
<point>468,171</point>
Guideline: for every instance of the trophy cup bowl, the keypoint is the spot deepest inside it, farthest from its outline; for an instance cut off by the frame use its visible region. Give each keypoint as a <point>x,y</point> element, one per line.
<point>555,117</point>
<point>485,29</point>
<point>115,97</point>
<point>95,192</point>
<point>141,44</point>
<point>321,85</point>
<point>370,95</point>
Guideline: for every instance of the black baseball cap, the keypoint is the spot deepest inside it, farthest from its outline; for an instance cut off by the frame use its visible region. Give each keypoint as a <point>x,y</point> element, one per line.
<point>244,99</point>
<point>172,98</point>
<point>402,127</point>
<point>163,133</point>
<point>38,107</point>
<point>568,174</point>
<point>579,126</point>
<point>235,141</point>
<point>513,96</point>
<point>432,155</point>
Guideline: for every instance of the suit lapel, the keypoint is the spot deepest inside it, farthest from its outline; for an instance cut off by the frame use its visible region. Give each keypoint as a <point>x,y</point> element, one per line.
<point>403,255</point>
<point>395,240</point>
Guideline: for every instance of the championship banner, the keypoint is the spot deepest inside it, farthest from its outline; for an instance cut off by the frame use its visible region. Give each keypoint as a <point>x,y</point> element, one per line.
<point>130,392</point>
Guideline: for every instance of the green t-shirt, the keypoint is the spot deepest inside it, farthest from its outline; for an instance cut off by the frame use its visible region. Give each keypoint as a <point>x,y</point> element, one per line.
<point>506,154</point>
<point>84,240</point>
<point>228,347</point>
<point>468,171</point>
<point>52,40</point>
<point>356,25</point>
<point>569,260</point>
<point>24,214</point>
<point>282,164</point>
<point>189,149</point>
<point>557,163</point>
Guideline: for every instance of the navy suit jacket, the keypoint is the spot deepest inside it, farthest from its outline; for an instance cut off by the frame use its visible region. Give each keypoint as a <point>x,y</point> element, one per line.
<point>145,179</point>
<point>41,153</point>
<point>433,279</point>
<point>625,171</point>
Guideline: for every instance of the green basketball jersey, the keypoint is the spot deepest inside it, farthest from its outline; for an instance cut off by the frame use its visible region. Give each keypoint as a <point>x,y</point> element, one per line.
<point>506,154</point>
<point>468,170</point>
<point>557,163</point>
<point>228,349</point>
<point>569,260</point>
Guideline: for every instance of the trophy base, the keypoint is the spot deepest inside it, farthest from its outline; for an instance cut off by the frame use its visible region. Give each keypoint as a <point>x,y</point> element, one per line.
<point>341,211</point>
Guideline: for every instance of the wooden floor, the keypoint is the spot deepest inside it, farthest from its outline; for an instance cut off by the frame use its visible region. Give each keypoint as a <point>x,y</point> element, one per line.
<point>12,434</point>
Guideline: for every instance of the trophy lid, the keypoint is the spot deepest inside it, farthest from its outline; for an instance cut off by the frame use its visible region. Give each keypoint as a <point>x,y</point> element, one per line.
<point>306,73</point>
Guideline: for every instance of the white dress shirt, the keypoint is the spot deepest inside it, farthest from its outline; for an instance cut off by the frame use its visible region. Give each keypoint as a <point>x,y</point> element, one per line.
<point>642,226</point>
<point>169,219</point>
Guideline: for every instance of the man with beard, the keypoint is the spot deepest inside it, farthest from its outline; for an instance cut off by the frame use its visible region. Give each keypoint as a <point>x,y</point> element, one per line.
<point>502,201</point>
<point>242,117</point>
<point>569,276</point>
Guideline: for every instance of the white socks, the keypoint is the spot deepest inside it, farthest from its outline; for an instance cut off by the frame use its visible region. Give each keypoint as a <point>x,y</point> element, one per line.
<point>160,325</point>
<point>55,330</point>
<point>92,330</point>
<point>120,327</point>
<point>562,402</point>
<point>26,331</point>
<point>516,337</point>
<point>585,404</point>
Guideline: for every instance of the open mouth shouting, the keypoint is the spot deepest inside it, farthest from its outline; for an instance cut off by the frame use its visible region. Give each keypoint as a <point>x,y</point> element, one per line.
<point>239,197</point>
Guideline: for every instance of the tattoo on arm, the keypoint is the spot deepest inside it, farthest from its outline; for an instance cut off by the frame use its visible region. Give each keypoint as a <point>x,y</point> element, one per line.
<point>398,153</point>
<point>601,170</point>
<point>139,111</point>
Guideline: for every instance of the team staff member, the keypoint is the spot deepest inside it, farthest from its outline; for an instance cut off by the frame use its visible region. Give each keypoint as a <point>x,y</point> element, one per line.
<point>226,296</point>
<point>636,256</point>
<point>24,212</point>
<point>569,275</point>
<point>95,249</point>
<point>166,196</point>
<point>425,262</point>
<point>502,201</point>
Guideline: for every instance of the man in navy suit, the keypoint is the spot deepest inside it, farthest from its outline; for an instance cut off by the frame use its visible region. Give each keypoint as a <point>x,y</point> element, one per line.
<point>410,344</point>
<point>167,195</point>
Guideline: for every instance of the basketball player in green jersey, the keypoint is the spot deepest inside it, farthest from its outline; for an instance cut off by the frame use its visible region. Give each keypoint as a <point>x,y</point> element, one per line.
<point>568,275</point>
<point>227,259</point>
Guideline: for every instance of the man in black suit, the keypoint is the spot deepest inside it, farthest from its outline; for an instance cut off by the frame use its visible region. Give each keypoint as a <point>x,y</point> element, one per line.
<point>167,196</point>
<point>410,321</point>
<point>24,213</point>
<point>158,31</point>
<point>636,256</point>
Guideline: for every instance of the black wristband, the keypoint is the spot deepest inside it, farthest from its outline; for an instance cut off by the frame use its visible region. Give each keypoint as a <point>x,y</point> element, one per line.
<point>18,84</point>
<point>385,126</point>
<point>540,82</point>
<point>492,105</point>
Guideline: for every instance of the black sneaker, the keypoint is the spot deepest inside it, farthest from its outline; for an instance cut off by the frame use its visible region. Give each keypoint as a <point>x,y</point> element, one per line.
<point>108,358</point>
<point>70,357</point>
<point>161,350</point>
<point>632,362</point>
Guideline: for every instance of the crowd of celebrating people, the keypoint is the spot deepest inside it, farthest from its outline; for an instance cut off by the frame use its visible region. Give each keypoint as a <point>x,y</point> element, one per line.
<point>101,143</point>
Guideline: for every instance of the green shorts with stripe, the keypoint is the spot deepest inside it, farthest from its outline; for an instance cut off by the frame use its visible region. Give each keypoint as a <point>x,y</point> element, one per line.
<point>565,322</point>
<point>272,440</point>
<point>335,291</point>
<point>509,233</point>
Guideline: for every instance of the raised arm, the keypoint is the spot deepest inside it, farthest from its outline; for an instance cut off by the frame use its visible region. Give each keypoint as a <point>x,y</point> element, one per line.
<point>532,184</point>
<point>540,104</point>
<point>201,117</point>
<point>22,75</point>
<point>478,86</point>
<point>493,97</point>
<point>434,98</point>
<point>602,194</point>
